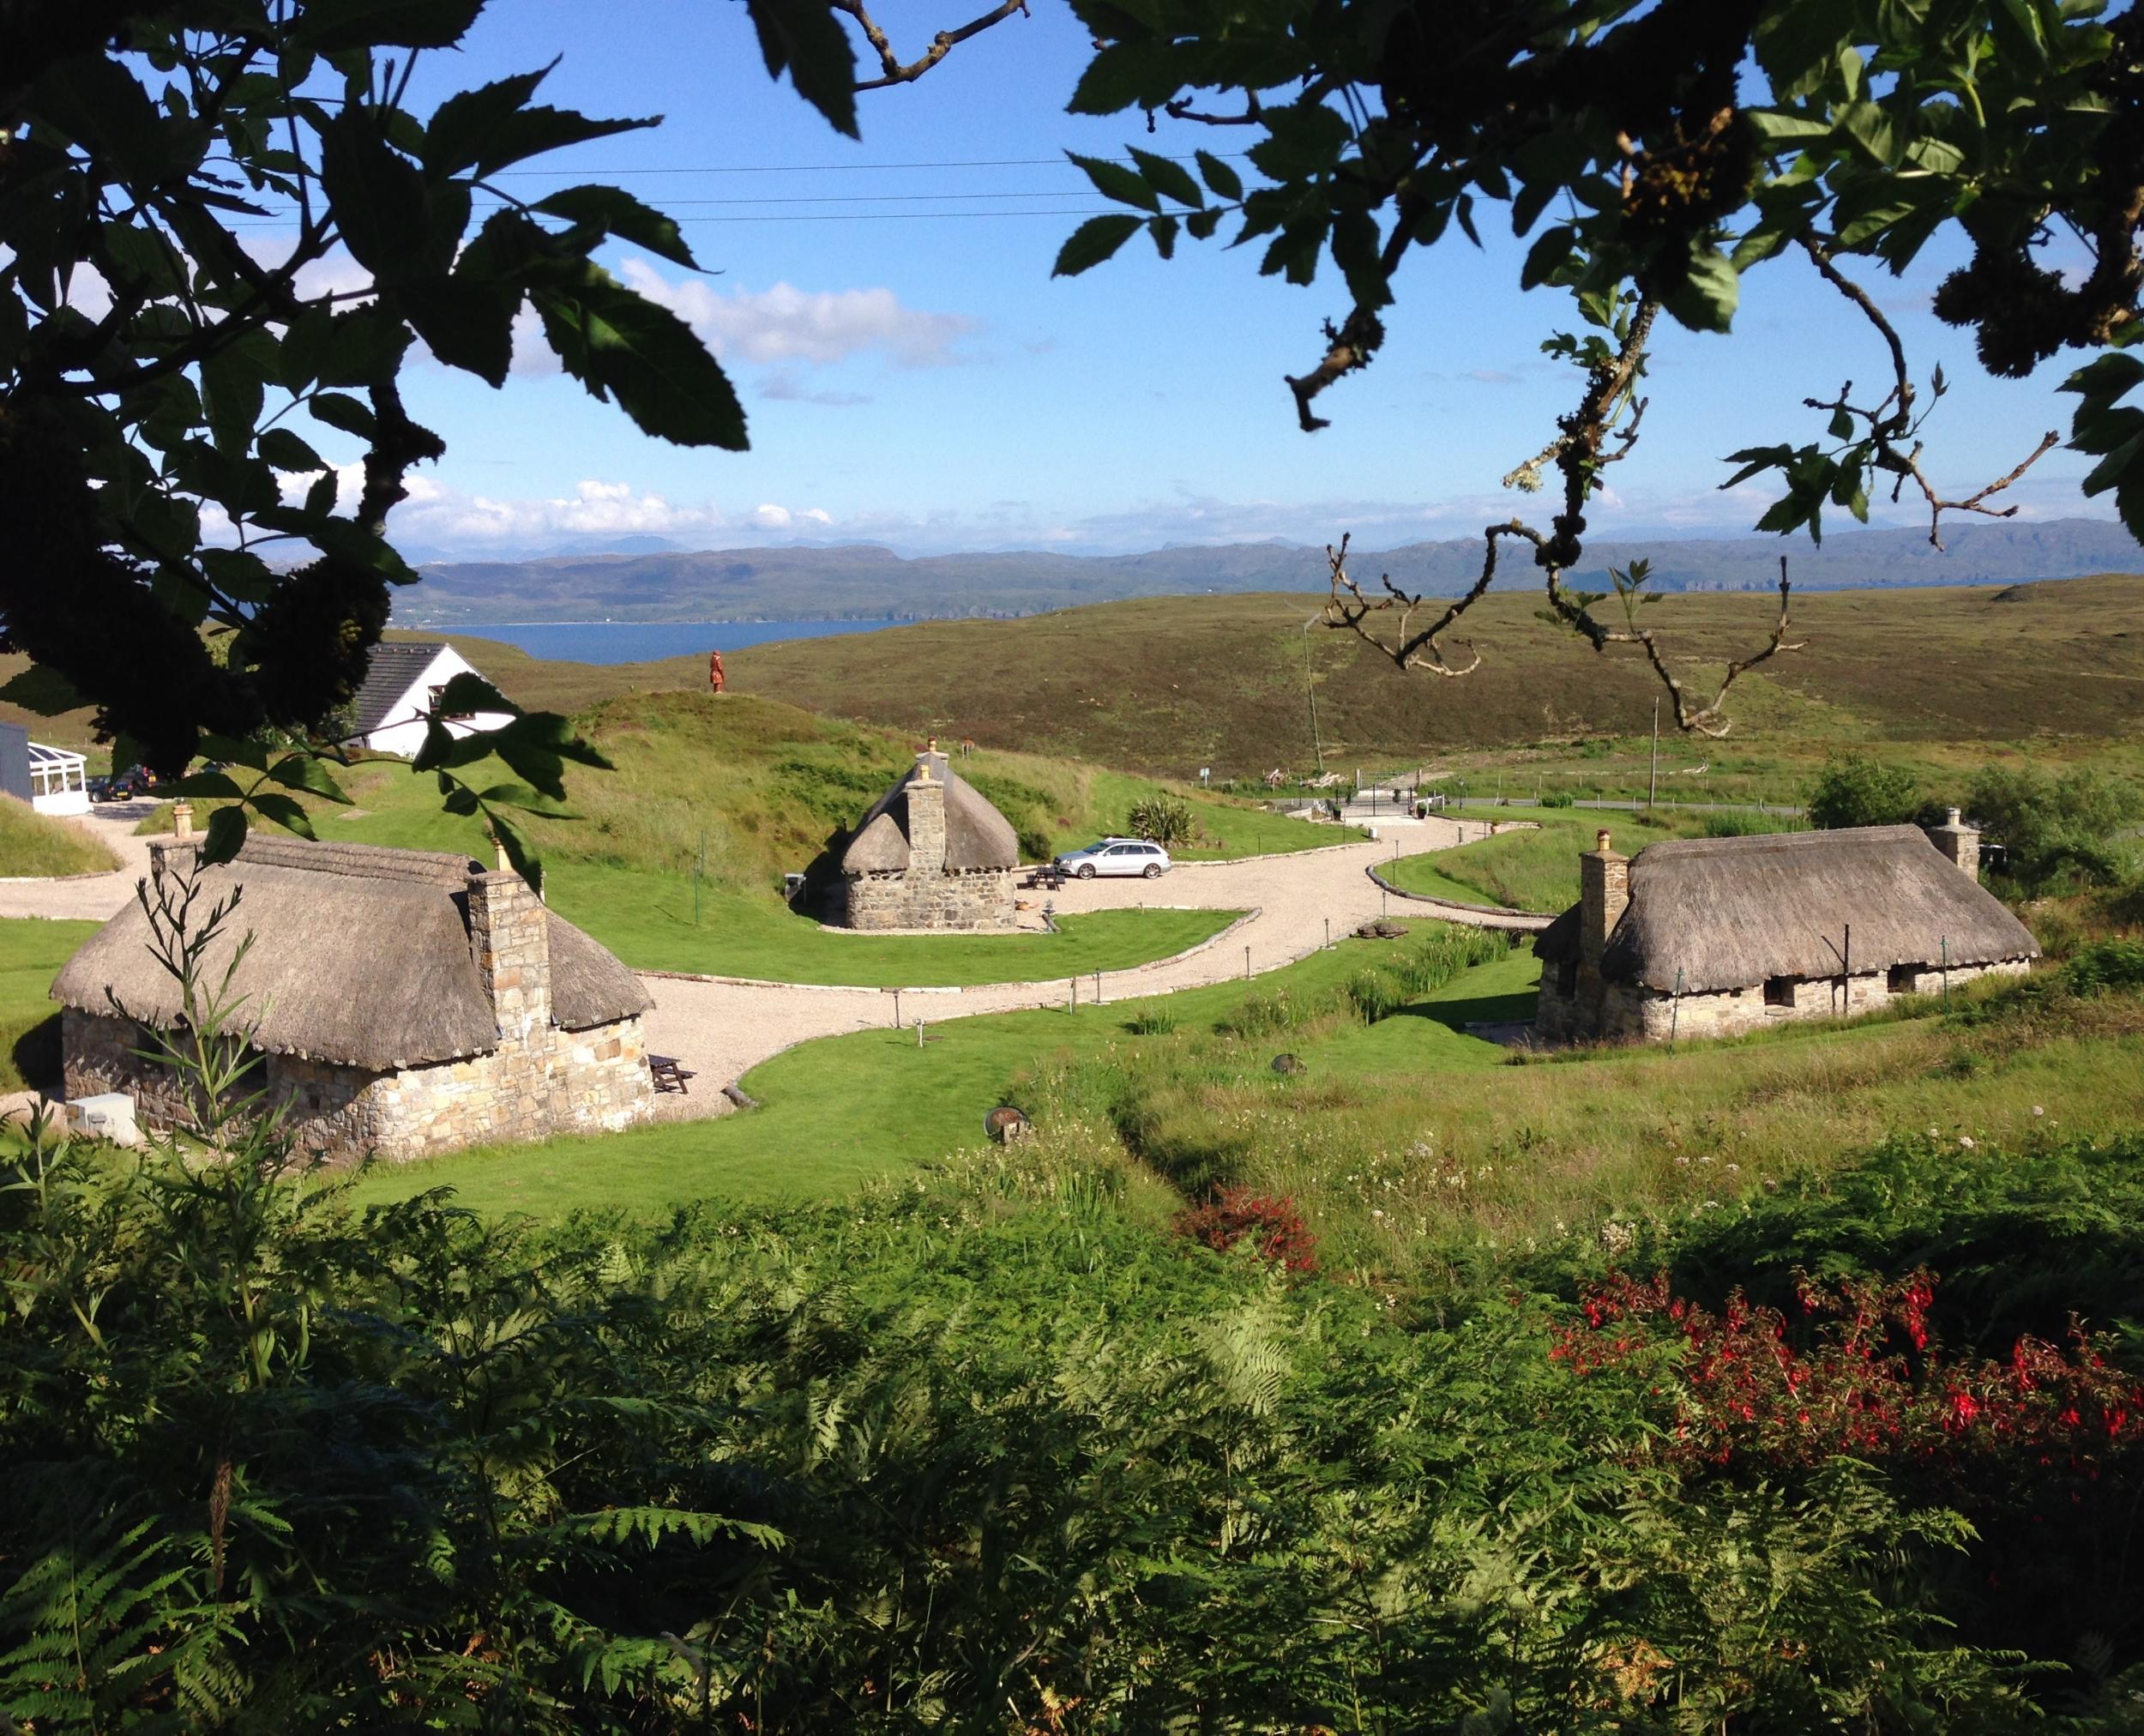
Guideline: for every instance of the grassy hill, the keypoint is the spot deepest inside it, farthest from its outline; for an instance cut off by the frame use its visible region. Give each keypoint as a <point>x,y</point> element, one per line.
<point>1171,683</point>
<point>32,843</point>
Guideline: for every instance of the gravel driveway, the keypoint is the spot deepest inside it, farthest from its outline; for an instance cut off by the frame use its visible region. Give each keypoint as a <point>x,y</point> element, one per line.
<point>89,897</point>
<point>722,1030</point>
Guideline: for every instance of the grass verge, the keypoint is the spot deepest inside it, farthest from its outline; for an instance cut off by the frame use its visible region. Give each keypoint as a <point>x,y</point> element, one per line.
<point>34,844</point>
<point>32,951</point>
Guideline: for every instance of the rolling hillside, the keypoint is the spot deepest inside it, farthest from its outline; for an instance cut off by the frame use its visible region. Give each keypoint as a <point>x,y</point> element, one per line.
<point>1171,683</point>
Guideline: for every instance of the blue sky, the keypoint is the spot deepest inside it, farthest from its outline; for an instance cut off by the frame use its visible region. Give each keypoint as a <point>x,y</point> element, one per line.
<point>914,376</point>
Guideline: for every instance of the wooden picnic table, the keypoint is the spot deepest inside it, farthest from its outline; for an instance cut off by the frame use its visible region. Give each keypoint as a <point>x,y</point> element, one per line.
<point>669,1074</point>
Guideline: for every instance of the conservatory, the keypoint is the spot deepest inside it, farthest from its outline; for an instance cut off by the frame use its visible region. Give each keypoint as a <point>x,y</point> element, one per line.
<point>59,783</point>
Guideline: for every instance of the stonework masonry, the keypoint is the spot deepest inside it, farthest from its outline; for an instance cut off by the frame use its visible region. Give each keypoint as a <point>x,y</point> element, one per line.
<point>980,898</point>
<point>1594,1011</point>
<point>539,1082</point>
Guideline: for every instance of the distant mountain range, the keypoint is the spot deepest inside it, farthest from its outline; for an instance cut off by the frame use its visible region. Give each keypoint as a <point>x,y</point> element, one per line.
<point>863,581</point>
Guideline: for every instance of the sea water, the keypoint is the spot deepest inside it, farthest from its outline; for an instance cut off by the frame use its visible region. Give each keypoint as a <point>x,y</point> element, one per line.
<point>645,642</point>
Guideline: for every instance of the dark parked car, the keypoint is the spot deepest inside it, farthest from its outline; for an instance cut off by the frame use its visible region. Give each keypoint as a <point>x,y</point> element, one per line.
<point>121,787</point>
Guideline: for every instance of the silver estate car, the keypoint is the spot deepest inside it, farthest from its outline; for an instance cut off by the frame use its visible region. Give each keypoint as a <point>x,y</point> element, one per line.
<point>1117,856</point>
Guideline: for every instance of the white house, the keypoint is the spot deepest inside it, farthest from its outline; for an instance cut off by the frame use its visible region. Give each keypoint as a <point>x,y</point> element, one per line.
<point>402,685</point>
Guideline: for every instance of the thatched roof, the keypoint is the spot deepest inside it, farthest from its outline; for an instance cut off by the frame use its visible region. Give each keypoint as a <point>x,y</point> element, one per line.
<point>395,666</point>
<point>976,835</point>
<point>1728,912</point>
<point>360,956</point>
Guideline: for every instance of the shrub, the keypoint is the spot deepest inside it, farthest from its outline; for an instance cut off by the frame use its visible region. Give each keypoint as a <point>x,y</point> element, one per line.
<point>1736,824</point>
<point>1275,1227</point>
<point>1855,790</point>
<point>2104,965</point>
<point>1557,799</point>
<point>2055,829</point>
<point>1154,1022</point>
<point>1375,995</point>
<point>1261,1015</point>
<point>1162,820</point>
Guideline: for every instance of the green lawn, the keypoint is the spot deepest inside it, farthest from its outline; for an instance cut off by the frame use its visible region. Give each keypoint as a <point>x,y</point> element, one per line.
<point>647,920</point>
<point>31,953</point>
<point>841,1111</point>
<point>1537,868</point>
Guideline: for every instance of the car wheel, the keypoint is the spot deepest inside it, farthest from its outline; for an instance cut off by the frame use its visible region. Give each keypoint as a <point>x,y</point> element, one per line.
<point>1154,870</point>
<point>1087,870</point>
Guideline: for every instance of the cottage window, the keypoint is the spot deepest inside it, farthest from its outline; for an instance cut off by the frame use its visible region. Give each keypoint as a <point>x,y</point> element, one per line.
<point>1567,977</point>
<point>1902,979</point>
<point>1778,992</point>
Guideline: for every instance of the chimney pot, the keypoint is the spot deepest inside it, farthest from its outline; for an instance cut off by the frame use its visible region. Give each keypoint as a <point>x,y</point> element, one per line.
<point>1950,816</point>
<point>182,820</point>
<point>1601,840</point>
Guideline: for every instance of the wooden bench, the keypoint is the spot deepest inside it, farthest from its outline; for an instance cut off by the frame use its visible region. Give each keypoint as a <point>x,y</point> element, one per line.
<point>1047,877</point>
<point>668,1074</point>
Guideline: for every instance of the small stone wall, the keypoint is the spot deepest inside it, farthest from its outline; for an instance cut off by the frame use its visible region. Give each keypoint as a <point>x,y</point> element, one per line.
<point>552,1083</point>
<point>981,901</point>
<point>1599,1012</point>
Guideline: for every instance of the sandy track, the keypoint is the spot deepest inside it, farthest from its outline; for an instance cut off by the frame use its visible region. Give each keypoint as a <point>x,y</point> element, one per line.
<point>89,897</point>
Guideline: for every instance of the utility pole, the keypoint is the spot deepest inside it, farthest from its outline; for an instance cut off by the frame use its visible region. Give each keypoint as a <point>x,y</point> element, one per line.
<point>1310,686</point>
<point>1653,784</point>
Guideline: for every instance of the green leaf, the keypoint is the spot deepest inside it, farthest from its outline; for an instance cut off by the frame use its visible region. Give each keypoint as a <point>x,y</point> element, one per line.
<point>1114,181</point>
<point>218,787</point>
<point>469,692</point>
<point>1163,231</point>
<point>530,132</point>
<point>1091,243</point>
<point>1841,427</point>
<point>285,451</point>
<point>1124,75</point>
<point>45,691</point>
<point>1220,177</point>
<point>283,810</point>
<point>1168,178</point>
<point>621,345</point>
<point>224,837</point>
<point>461,128</point>
<point>378,199</point>
<point>303,771</point>
<point>231,396</point>
<point>326,25</point>
<point>320,498</point>
<point>465,323</point>
<point>340,410</point>
<point>1706,299</point>
<point>803,38</point>
<point>1551,251</point>
<point>617,212</point>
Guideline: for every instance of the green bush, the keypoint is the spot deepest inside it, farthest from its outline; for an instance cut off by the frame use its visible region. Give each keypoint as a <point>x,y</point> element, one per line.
<point>1856,790</point>
<point>2103,965</point>
<point>1162,820</point>
<point>2056,830</point>
<point>1557,799</point>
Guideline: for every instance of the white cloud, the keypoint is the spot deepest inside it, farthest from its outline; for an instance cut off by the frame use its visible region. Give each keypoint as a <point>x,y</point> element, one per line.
<point>815,327</point>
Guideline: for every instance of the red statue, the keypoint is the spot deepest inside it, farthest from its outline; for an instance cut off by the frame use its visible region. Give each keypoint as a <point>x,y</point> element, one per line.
<point>715,678</point>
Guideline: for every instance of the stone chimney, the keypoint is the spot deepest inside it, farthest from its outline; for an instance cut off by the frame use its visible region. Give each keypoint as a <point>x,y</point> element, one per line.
<point>1960,843</point>
<point>926,820</point>
<point>511,937</point>
<point>175,854</point>
<point>1604,891</point>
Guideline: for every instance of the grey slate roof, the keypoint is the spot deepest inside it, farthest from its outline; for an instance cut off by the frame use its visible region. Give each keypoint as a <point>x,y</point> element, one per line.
<point>976,835</point>
<point>395,667</point>
<point>1728,912</point>
<point>361,955</point>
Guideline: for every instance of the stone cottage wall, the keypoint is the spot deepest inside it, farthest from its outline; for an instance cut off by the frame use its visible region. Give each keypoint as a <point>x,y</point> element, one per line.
<point>981,899</point>
<point>552,1083</point>
<point>1617,1012</point>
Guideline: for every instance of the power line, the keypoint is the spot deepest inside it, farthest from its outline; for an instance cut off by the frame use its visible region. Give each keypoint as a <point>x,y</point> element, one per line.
<point>833,216</point>
<point>835,168</point>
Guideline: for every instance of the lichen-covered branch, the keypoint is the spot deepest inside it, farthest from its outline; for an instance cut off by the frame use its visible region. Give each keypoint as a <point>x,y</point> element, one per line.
<point>898,71</point>
<point>1890,422</point>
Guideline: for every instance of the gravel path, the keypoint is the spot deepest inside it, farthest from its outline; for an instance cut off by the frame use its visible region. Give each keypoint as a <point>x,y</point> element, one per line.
<point>721,1030</point>
<point>89,897</point>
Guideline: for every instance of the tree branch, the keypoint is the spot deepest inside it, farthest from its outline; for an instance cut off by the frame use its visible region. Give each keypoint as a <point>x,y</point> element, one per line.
<point>897,72</point>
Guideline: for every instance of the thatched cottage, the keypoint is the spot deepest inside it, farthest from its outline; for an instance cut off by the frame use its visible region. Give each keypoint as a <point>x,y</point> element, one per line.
<point>401,1002</point>
<point>931,854</point>
<point>1709,937</point>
